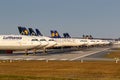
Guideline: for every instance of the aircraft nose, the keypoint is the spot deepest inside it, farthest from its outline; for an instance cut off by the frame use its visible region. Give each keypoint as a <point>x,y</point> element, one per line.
<point>44,43</point>
<point>36,43</point>
<point>51,44</point>
<point>54,43</point>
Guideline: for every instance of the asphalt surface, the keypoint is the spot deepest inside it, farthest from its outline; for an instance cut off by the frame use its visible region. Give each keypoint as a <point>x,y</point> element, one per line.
<point>87,54</point>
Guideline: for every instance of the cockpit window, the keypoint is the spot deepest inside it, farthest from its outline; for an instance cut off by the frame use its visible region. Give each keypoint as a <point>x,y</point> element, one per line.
<point>34,40</point>
<point>51,39</point>
<point>42,39</point>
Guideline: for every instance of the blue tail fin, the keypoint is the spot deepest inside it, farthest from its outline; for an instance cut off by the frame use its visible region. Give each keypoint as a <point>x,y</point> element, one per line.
<point>38,33</point>
<point>32,32</point>
<point>55,34</point>
<point>20,29</point>
<point>23,30</point>
<point>66,35</point>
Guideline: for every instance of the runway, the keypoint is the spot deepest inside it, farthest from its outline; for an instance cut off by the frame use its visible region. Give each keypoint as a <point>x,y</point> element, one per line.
<point>63,55</point>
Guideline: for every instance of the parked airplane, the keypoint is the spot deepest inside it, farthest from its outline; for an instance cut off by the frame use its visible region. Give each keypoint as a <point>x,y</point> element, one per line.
<point>90,42</point>
<point>24,31</point>
<point>83,42</point>
<point>46,42</point>
<point>66,41</point>
<point>18,42</point>
<point>50,41</point>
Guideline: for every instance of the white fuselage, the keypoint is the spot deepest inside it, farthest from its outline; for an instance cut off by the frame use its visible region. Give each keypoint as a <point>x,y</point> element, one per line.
<point>46,42</point>
<point>84,42</point>
<point>91,42</point>
<point>42,40</point>
<point>51,42</point>
<point>94,42</point>
<point>18,42</point>
<point>62,42</point>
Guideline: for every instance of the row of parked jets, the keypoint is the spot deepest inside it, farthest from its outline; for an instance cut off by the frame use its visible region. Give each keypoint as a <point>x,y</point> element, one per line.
<point>34,40</point>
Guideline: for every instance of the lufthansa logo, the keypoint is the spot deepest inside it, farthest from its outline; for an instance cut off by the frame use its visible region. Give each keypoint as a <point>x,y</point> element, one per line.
<point>12,37</point>
<point>26,32</point>
<point>53,34</point>
<point>56,34</point>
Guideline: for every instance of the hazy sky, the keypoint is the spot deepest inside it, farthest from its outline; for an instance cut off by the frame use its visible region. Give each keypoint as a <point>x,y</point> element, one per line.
<point>100,18</point>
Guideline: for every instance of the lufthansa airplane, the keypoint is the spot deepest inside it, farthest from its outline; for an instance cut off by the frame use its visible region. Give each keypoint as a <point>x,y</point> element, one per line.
<point>88,42</point>
<point>18,42</point>
<point>81,42</point>
<point>67,40</point>
<point>51,42</point>
<point>46,42</point>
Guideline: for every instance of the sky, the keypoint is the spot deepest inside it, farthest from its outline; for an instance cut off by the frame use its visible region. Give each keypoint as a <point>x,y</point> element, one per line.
<point>99,18</point>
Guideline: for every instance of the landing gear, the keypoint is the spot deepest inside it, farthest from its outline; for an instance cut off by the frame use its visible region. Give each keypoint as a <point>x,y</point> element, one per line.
<point>34,51</point>
<point>44,51</point>
<point>26,52</point>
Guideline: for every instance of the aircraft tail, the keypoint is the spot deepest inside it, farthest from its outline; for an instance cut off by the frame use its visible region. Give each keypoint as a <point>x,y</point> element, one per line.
<point>52,34</point>
<point>66,35</point>
<point>32,32</point>
<point>55,34</point>
<point>23,30</point>
<point>38,32</point>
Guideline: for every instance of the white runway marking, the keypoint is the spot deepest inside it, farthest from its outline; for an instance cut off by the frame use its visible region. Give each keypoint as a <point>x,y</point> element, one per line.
<point>4,58</point>
<point>87,55</point>
<point>18,59</point>
<point>52,59</point>
<point>70,56</point>
<point>63,59</point>
<point>29,59</point>
<point>41,59</point>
